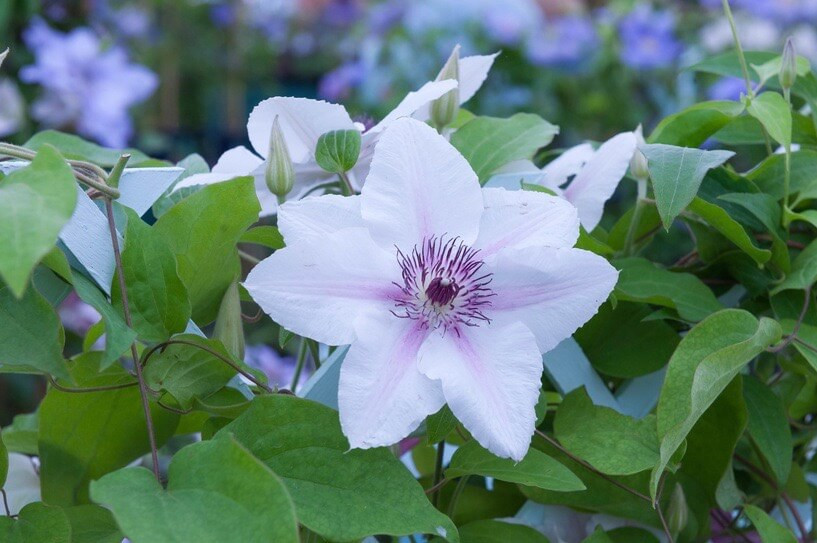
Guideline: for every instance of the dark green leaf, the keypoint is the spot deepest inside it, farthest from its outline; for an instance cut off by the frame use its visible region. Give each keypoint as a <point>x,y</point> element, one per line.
<point>768,528</point>
<point>92,524</point>
<point>694,125</point>
<point>769,427</point>
<point>74,147</point>
<point>495,531</point>
<point>719,219</point>
<point>37,523</point>
<point>440,424</point>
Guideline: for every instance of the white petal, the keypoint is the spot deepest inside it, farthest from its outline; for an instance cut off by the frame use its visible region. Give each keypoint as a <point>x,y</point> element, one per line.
<point>382,397</point>
<point>473,72</point>
<point>302,120</point>
<point>318,289</point>
<point>597,181</point>
<point>318,216</point>
<point>569,163</point>
<point>235,162</point>
<point>490,378</point>
<point>419,186</point>
<point>553,291</point>
<point>414,101</point>
<point>22,484</point>
<point>517,219</point>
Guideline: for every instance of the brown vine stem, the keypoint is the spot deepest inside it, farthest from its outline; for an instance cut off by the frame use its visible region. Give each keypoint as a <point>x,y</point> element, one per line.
<point>793,336</point>
<point>438,473</point>
<point>5,502</point>
<point>143,390</point>
<point>438,486</point>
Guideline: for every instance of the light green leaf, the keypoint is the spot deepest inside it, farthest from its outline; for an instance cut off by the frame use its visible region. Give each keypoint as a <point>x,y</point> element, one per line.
<point>84,436</point>
<point>202,231</point>
<point>92,524</point>
<point>769,174</point>
<point>496,531</point>
<point>440,424</point>
<point>771,68</point>
<point>676,174</point>
<point>340,494</point>
<point>613,443</point>
<point>719,219</point>
<point>31,337</point>
<point>536,469</point>
<point>694,125</point>
<point>768,528</point>
<point>35,203</point>
<point>157,296</point>
<point>37,523</point>
<point>640,280</point>
<point>268,236</point>
<point>706,360</point>
<point>21,435</point>
<point>118,337</point>
<point>76,148</point>
<point>769,426</point>
<point>489,143</point>
<point>217,491</point>
<point>774,114</point>
<point>803,270</point>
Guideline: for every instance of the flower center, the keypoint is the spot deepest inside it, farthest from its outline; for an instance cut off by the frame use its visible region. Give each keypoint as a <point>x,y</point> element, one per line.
<point>443,285</point>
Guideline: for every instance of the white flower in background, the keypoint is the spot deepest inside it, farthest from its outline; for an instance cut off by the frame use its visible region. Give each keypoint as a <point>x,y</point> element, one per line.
<point>447,292</point>
<point>22,484</point>
<point>12,108</point>
<point>584,176</point>
<point>303,121</point>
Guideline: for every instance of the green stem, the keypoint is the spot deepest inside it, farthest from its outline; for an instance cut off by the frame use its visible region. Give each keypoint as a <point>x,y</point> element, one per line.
<point>314,351</point>
<point>299,365</point>
<point>438,473</point>
<point>346,185</point>
<point>455,496</point>
<point>741,57</point>
<point>638,211</point>
<point>787,172</point>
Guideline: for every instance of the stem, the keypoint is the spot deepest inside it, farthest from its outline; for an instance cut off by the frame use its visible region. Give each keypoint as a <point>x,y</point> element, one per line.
<point>143,391</point>
<point>657,506</point>
<point>741,57</point>
<point>787,171</point>
<point>793,336</point>
<point>312,345</point>
<point>638,211</point>
<point>438,473</point>
<point>5,502</point>
<point>452,504</point>
<point>299,365</point>
<point>248,257</point>
<point>438,486</point>
<point>346,185</point>
<point>61,388</point>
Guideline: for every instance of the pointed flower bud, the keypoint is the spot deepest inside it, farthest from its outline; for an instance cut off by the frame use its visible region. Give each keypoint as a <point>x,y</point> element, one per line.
<point>678,511</point>
<point>229,328</point>
<point>788,67</point>
<point>445,108</point>
<point>3,55</point>
<point>638,164</point>
<point>279,173</point>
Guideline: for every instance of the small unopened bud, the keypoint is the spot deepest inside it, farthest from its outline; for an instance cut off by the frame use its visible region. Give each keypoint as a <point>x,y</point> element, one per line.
<point>337,151</point>
<point>638,164</point>
<point>3,55</point>
<point>788,67</point>
<point>229,327</point>
<point>678,511</point>
<point>445,108</point>
<point>279,173</point>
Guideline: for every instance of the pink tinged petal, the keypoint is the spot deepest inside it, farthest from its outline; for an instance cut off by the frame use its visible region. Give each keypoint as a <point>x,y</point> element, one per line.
<point>414,101</point>
<point>419,186</point>
<point>235,162</point>
<point>519,218</point>
<point>491,378</point>
<point>302,120</point>
<point>318,216</point>
<point>597,181</point>
<point>558,171</point>
<point>382,396</point>
<point>473,72</point>
<point>318,288</point>
<point>553,291</point>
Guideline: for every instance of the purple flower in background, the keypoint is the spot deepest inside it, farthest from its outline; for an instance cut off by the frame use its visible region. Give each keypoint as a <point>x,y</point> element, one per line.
<point>336,85</point>
<point>383,17</point>
<point>85,86</point>
<point>783,11</point>
<point>648,38</point>
<point>222,15</point>
<point>563,42</point>
<point>279,369</point>
<point>76,315</point>
<point>727,88</point>
<point>342,13</point>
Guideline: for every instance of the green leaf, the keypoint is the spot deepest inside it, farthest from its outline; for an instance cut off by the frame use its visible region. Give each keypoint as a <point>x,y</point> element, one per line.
<point>768,528</point>
<point>187,372</point>
<point>608,338</point>
<point>37,523</point>
<point>694,125</point>
<point>768,175</point>
<point>76,148</point>
<point>202,231</point>
<point>598,536</point>
<point>769,426</point>
<point>118,336</point>
<point>217,491</point>
<point>157,296</point>
<point>35,203</point>
<point>719,219</point>
<point>676,174</point>
<point>496,531</point>
<point>31,337</point>
<point>771,68</point>
<point>489,143</point>
<point>774,114</point>
<point>21,435</point>
<point>4,461</point>
<point>803,270</point>
<point>536,469</point>
<point>706,360</point>
<point>268,236</point>
<point>84,436</point>
<point>92,524</point>
<point>613,443</point>
<point>337,151</point>
<point>341,495</point>
<point>640,280</point>
<point>440,424</point>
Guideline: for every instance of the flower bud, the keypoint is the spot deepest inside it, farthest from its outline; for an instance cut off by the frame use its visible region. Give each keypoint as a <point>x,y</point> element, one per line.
<point>337,151</point>
<point>229,328</point>
<point>3,55</point>
<point>279,173</point>
<point>638,164</point>
<point>445,108</point>
<point>678,511</point>
<point>788,67</point>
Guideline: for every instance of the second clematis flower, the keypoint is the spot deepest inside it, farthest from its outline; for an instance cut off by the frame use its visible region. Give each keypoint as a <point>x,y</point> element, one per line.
<point>447,292</point>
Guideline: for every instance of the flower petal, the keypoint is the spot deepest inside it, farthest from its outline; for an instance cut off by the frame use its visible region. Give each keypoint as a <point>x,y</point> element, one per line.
<point>382,397</point>
<point>597,181</point>
<point>553,291</point>
<point>419,186</point>
<point>569,163</point>
<point>473,72</point>
<point>318,216</point>
<point>520,218</point>
<point>233,163</point>
<point>302,120</point>
<point>318,289</point>
<point>491,378</point>
<point>414,101</point>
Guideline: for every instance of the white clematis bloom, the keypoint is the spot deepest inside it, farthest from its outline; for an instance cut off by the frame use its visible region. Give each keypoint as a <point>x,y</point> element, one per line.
<point>304,121</point>
<point>447,292</point>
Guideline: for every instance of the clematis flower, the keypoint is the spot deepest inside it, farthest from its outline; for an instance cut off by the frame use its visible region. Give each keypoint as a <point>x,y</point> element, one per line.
<point>303,121</point>
<point>447,292</point>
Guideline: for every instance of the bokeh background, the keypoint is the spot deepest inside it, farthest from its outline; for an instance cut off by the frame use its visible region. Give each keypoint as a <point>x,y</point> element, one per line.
<point>181,76</point>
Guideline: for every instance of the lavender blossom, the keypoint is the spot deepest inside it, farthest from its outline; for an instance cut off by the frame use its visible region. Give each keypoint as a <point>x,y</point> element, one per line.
<point>564,42</point>
<point>648,39</point>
